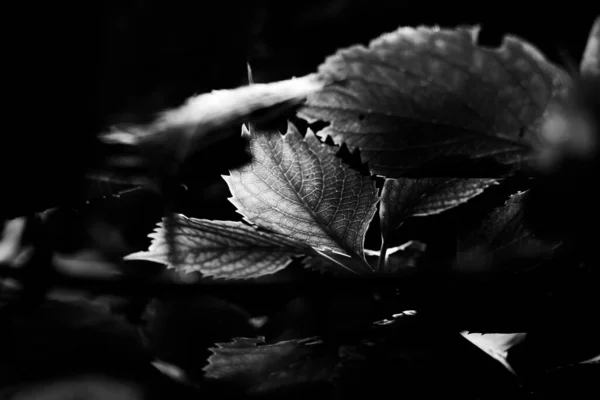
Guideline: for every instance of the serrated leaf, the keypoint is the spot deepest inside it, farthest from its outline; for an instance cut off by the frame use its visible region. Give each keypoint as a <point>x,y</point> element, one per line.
<point>590,63</point>
<point>258,367</point>
<point>297,187</point>
<point>432,102</point>
<point>221,249</point>
<point>496,345</point>
<point>403,198</point>
<point>502,238</point>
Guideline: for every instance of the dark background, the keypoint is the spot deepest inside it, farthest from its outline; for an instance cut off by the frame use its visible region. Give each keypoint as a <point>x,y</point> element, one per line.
<point>74,69</point>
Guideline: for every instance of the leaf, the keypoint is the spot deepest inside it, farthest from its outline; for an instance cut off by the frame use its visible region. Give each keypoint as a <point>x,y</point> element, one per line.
<point>431,102</point>
<point>403,198</point>
<point>198,124</point>
<point>258,367</point>
<point>496,345</point>
<point>405,256</point>
<point>180,330</point>
<point>590,63</point>
<point>406,353</point>
<point>296,187</point>
<point>502,239</point>
<point>221,249</point>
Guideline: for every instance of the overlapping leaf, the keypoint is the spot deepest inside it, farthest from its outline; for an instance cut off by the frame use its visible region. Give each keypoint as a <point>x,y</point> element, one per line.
<point>428,101</point>
<point>297,187</point>
<point>403,198</point>
<point>502,238</point>
<point>222,249</point>
<point>258,367</point>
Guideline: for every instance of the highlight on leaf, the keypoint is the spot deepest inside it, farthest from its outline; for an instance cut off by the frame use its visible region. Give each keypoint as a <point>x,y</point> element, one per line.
<point>253,365</point>
<point>297,187</point>
<point>200,121</point>
<point>496,345</point>
<point>221,249</point>
<point>432,102</point>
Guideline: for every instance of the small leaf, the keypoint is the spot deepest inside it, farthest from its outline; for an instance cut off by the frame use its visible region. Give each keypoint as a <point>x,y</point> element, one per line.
<point>496,345</point>
<point>502,238</point>
<point>403,198</point>
<point>590,64</point>
<point>431,102</point>
<point>297,187</point>
<point>258,367</point>
<point>222,249</point>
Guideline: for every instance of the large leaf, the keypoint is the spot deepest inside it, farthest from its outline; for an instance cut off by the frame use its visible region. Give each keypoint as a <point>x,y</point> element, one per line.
<point>403,198</point>
<point>258,367</point>
<point>222,249</point>
<point>431,101</point>
<point>502,239</point>
<point>297,187</point>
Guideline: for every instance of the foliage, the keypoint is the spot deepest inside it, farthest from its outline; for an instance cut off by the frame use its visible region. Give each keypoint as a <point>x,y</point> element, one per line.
<point>422,126</point>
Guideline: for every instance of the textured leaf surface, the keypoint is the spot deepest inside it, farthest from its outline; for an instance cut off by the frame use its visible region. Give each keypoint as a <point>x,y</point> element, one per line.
<point>222,249</point>
<point>403,198</point>
<point>431,101</point>
<point>259,367</point>
<point>503,236</point>
<point>296,187</point>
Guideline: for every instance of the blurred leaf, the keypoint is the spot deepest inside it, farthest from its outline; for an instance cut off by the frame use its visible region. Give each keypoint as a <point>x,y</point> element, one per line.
<point>496,345</point>
<point>10,243</point>
<point>416,358</point>
<point>61,338</point>
<point>296,187</point>
<point>222,249</point>
<point>502,239</point>
<point>88,388</point>
<point>199,123</point>
<point>590,63</point>
<point>258,367</point>
<point>431,102</point>
<point>403,198</point>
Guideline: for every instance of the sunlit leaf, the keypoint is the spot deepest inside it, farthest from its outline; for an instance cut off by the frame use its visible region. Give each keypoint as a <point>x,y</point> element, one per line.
<point>432,102</point>
<point>298,188</point>
<point>222,249</point>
